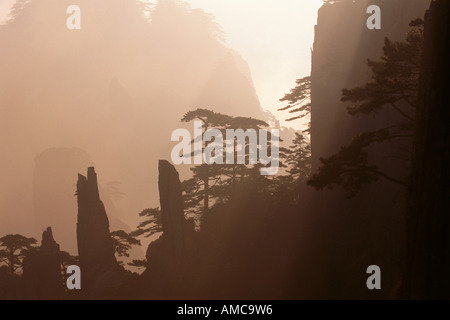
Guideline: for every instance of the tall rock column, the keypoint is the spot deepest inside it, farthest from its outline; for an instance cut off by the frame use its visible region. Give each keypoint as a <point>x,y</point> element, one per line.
<point>166,257</point>
<point>428,261</point>
<point>95,247</point>
<point>172,214</point>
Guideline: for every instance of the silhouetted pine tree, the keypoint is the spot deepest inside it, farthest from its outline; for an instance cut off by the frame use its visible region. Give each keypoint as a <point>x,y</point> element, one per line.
<point>394,86</point>
<point>13,249</point>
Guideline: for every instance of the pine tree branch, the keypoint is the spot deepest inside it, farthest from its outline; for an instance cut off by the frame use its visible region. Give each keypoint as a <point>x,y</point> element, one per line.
<point>401,112</point>
<point>384,175</point>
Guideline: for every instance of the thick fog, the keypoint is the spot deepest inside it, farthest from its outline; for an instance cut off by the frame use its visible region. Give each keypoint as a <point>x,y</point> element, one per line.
<point>107,95</point>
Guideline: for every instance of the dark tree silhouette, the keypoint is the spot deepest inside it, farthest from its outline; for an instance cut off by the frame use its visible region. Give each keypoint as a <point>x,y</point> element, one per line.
<point>216,182</point>
<point>123,242</point>
<point>298,158</point>
<point>395,79</point>
<point>394,85</point>
<point>13,249</point>
<point>151,225</point>
<point>67,260</point>
<point>299,99</point>
<point>203,174</point>
<point>138,264</point>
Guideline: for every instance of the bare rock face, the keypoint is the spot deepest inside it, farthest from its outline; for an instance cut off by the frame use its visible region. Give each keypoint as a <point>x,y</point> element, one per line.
<point>48,244</point>
<point>42,270</point>
<point>53,200</point>
<point>428,255</point>
<point>339,60</point>
<point>166,256</point>
<point>95,247</point>
<point>172,215</point>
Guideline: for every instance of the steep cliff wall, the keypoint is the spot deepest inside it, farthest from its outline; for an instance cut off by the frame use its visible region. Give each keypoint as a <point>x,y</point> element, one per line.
<point>54,203</point>
<point>342,46</point>
<point>368,229</point>
<point>166,257</point>
<point>428,262</point>
<point>95,247</point>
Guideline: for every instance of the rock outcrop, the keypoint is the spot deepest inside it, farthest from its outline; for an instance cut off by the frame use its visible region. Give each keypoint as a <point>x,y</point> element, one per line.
<point>342,46</point>
<point>49,244</point>
<point>428,258</point>
<point>95,247</point>
<point>166,257</point>
<point>172,214</point>
<point>53,200</point>
<point>42,270</point>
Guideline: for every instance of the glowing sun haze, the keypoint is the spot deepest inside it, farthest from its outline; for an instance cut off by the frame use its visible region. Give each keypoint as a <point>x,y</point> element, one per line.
<point>5,6</point>
<point>274,36</point>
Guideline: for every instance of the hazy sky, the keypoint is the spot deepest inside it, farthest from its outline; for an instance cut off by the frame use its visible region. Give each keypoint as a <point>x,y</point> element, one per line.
<point>274,36</point>
<point>5,5</point>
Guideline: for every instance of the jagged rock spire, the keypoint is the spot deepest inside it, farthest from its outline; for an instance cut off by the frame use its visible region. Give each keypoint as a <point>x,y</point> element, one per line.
<point>48,244</point>
<point>95,247</point>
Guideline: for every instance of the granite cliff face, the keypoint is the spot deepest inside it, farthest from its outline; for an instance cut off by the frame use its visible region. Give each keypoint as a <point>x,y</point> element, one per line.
<point>172,213</point>
<point>428,256</point>
<point>53,194</point>
<point>342,45</point>
<point>167,257</point>
<point>95,247</point>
